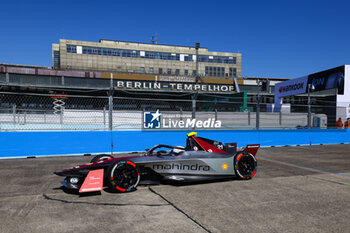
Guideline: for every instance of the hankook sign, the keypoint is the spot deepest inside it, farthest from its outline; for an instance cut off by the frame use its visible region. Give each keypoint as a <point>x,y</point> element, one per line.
<point>333,78</point>
<point>291,87</point>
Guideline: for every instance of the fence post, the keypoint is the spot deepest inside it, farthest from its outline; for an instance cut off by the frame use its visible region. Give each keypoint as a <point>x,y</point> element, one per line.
<point>194,106</point>
<point>104,115</point>
<point>110,112</point>
<point>110,105</point>
<point>25,118</point>
<point>61,115</point>
<point>248,117</point>
<point>280,117</point>
<point>257,120</point>
<point>45,117</point>
<point>14,113</point>
<point>308,106</point>
<point>180,114</point>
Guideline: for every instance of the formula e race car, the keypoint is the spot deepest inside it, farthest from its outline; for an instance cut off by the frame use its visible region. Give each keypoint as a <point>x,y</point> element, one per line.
<point>201,160</point>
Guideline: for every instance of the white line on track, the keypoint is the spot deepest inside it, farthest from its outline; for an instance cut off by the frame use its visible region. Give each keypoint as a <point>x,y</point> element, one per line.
<point>305,168</point>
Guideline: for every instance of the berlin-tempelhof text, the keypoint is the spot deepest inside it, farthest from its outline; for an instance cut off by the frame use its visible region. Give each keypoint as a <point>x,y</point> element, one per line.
<point>174,86</point>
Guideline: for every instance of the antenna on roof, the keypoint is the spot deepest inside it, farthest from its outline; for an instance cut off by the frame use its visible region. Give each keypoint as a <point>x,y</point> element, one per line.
<point>154,39</point>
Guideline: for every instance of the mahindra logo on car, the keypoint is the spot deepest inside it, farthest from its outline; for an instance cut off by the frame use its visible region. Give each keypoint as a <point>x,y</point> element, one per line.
<point>180,166</point>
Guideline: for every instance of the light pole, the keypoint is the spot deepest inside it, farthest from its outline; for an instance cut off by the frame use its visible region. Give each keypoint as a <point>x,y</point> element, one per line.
<point>197,73</point>
<point>309,106</point>
<point>194,96</point>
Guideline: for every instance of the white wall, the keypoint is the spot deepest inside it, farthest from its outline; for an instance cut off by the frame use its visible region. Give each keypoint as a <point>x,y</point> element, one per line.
<point>343,101</point>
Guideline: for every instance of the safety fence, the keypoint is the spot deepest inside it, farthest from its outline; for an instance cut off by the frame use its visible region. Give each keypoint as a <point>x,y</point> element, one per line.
<point>29,111</point>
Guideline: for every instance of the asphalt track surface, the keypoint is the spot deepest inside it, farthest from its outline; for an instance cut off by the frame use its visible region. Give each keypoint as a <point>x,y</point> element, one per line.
<point>296,189</point>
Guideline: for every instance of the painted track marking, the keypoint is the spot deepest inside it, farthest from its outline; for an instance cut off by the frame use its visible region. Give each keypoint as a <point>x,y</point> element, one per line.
<point>305,168</point>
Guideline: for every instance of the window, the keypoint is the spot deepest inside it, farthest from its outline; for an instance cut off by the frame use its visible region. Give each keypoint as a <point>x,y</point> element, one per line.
<point>71,48</point>
<point>194,72</point>
<point>142,69</point>
<point>151,70</point>
<point>221,72</point>
<point>213,71</point>
<point>56,59</point>
<point>133,54</point>
<point>150,54</point>
<point>160,70</point>
<point>177,71</point>
<point>186,72</point>
<point>233,72</point>
<point>169,71</point>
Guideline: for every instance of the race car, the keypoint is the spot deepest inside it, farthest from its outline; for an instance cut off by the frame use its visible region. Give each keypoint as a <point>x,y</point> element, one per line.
<point>201,160</point>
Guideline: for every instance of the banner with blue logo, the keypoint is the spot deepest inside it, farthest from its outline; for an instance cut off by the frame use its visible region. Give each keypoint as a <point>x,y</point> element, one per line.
<point>333,78</point>
<point>152,120</point>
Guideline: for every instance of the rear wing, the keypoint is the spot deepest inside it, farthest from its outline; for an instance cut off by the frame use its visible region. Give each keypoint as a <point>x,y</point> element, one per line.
<point>253,148</point>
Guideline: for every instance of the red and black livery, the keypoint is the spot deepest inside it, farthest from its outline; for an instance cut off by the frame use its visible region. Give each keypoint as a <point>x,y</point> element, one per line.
<point>201,160</point>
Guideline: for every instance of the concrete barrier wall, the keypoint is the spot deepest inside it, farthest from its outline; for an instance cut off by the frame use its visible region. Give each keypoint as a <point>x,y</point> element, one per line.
<point>24,144</point>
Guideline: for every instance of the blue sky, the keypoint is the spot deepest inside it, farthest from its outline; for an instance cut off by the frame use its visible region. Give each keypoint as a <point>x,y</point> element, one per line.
<point>278,38</point>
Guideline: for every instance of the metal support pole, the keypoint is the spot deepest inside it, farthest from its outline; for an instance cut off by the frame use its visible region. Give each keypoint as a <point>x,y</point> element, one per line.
<point>61,115</point>
<point>104,116</point>
<point>180,114</point>
<point>248,117</point>
<point>216,114</point>
<point>45,117</point>
<point>236,84</point>
<point>110,112</point>
<point>7,77</point>
<point>14,113</point>
<point>308,106</point>
<point>197,73</point>
<point>110,105</point>
<point>257,120</point>
<point>194,96</point>
<point>280,118</point>
<point>25,118</point>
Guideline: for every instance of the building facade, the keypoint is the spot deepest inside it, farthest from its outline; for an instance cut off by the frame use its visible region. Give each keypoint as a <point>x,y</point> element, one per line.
<point>132,57</point>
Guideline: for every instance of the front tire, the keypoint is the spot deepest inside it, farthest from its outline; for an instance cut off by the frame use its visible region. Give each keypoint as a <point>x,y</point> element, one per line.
<point>123,176</point>
<point>245,165</point>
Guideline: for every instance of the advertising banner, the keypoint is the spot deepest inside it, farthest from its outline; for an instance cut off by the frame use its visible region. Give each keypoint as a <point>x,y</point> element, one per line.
<point>173,86</point>
<point>166,120</point>
<point>333,78</point>
<point>291,87</point>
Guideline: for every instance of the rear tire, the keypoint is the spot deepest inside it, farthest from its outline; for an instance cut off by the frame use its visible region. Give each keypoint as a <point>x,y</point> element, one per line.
<point>245,165</point>
<point>123,176</point>
<point>101,157</point>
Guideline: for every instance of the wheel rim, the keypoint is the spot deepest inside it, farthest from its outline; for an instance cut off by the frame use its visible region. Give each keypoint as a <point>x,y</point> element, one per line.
<point>246,165</point>
<point>125,176</point>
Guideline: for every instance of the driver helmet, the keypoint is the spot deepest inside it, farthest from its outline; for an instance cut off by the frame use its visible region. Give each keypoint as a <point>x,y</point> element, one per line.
<point>177,150</point>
